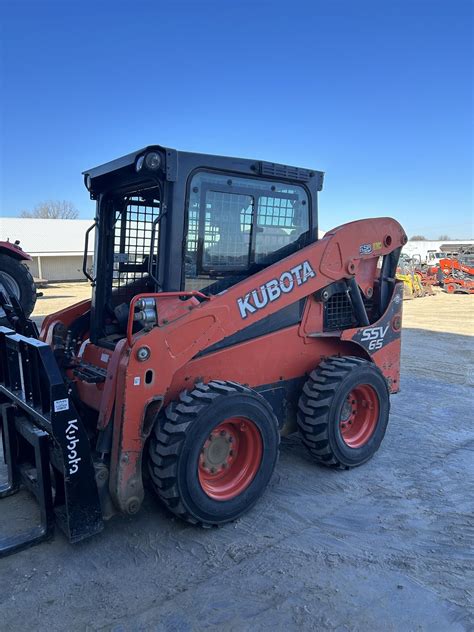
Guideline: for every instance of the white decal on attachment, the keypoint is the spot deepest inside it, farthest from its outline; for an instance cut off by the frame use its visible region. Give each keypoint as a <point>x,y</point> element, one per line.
<point>60,405</point>
<point>136,381</point>
<point>71,435</point>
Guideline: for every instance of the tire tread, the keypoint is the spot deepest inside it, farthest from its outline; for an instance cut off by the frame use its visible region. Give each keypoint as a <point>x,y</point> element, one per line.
<point>168,437</point>
<point>314,406</point>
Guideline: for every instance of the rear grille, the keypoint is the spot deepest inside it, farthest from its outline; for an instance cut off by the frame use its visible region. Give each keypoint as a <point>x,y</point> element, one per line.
<point>132,244</point>
<point>338,312</point>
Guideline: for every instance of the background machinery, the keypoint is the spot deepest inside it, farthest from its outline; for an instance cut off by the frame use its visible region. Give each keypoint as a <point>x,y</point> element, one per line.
<point>409,274</point>
<point>15,278</point>
<point>218,322</point>
<point>456,274</point>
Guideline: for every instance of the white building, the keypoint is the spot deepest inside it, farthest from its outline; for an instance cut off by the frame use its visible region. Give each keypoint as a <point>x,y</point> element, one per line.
<point>422,248</point>
<point>56,245</point>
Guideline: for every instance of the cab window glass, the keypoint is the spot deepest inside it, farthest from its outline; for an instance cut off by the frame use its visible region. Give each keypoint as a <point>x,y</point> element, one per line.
<point>227,231</point>
<point>281,220</point>
<point>238,225</point>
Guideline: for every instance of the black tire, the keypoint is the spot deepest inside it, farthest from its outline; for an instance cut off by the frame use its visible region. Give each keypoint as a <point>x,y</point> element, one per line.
<point>321,409</point>
<point>176,447</point>
<point>25,285</point>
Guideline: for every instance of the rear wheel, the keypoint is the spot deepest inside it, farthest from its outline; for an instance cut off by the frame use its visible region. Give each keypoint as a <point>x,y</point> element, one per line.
<point>213,452</point>
<point>15,278</point>
<point>343,411</point>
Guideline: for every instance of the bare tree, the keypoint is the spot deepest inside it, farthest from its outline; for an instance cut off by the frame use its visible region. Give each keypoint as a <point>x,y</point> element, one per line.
<point>418,238</point>
<point>52,209</point>
<point>444,238</point>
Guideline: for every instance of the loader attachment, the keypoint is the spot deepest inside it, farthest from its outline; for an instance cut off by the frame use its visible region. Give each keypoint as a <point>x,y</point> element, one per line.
<point>39,483</point>
<point>16,316</point>
<point>45,444</point>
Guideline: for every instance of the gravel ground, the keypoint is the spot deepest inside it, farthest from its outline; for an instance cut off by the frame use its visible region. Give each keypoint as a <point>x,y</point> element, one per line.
<point>388,546</point>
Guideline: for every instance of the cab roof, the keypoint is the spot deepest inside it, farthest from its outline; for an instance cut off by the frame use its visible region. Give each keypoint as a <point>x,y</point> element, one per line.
<point>122,172</point>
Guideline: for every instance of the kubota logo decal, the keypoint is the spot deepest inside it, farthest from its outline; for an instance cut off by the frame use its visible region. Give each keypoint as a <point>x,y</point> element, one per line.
<point>273,289</point>
<point>71,435</point>
<point>374,336</point>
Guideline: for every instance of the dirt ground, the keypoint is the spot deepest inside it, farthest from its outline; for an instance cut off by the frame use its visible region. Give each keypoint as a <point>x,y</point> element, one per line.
<point>388,546</point>
<point>57,296</point>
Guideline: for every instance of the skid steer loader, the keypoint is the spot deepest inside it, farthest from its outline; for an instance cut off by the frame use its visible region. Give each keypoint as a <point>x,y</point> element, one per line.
<point>218,322</point>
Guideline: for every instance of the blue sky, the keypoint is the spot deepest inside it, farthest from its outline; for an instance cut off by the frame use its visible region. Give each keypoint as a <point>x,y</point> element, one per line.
<point>377,94</point>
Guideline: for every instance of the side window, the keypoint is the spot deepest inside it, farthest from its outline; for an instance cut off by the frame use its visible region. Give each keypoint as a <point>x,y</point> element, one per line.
<point>238,225</point>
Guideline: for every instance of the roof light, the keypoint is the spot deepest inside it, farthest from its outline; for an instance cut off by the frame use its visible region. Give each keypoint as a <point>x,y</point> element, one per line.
<point>153,160</point>
<point>139,164</point>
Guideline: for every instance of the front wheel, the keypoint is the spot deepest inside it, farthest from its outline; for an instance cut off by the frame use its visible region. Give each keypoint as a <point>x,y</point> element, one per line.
<point>450,288</point>
<point>213,452</point>
<point>343,411</point>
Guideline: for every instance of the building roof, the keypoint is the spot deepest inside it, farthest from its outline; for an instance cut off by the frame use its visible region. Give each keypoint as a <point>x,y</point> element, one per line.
<point>47,236</point>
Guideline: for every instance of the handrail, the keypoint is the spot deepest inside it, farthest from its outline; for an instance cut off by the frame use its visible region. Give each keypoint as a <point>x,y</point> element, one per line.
<point>156,221</point>
<point>86,252</point>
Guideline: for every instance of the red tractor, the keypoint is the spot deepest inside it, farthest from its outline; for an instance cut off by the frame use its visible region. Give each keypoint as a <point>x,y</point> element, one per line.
<point>457,275</point>
<point>218,322</point>
<point>15,278</point>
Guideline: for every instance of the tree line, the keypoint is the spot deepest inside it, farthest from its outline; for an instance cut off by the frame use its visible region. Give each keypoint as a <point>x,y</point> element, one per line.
<point>423,238</point>
<point>52,209</point>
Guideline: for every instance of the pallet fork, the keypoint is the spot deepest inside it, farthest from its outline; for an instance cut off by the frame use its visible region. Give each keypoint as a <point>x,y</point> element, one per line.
<point>44,440</point>
<point>35,477</point>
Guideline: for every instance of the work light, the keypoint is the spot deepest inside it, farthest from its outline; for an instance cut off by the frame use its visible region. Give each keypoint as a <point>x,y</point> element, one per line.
<point>153,160</point>
<point>139,165</point>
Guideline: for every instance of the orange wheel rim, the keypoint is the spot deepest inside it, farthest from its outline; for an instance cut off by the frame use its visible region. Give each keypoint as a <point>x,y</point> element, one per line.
<point>230,458</point>
<point>359,416</point>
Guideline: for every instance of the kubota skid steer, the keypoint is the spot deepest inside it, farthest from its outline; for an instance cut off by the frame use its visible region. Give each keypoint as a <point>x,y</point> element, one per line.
<point>218,322</point>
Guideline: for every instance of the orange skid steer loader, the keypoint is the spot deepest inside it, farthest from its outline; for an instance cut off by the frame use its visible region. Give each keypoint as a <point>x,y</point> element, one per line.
<point>218,322</point>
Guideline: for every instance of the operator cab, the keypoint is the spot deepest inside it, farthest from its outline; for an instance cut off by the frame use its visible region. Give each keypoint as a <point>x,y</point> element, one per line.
<point>177,221</point>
